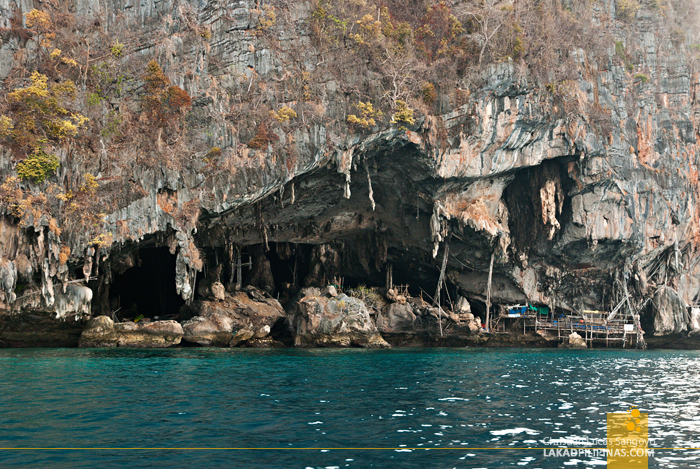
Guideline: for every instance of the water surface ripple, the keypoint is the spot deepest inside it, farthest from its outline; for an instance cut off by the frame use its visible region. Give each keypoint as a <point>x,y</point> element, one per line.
<point>432,407</point>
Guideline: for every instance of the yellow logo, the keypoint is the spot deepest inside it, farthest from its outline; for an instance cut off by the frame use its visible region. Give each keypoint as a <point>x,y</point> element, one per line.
<point>634,422</point>
<point>628,440</point>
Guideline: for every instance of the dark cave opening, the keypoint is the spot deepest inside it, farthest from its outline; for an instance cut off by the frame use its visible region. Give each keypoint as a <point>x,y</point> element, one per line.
<point>286,267</point>
<point>281,332</point>
<point>479,309</point>
<point>289,263</point>
<point>148,288</point>
<point>421,283</point>
<point>646,318</point>
<point>295,266</point>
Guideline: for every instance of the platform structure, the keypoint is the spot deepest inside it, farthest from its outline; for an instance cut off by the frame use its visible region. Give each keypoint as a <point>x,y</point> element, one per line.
<point>511,313</point>
<point>526,313</point>
<point>614,328</point>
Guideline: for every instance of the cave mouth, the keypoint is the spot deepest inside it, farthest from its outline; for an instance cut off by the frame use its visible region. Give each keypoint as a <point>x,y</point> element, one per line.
<point>295,266</point>
<point>281,331</point>
<point>289,265</point>
<point>148,288</point>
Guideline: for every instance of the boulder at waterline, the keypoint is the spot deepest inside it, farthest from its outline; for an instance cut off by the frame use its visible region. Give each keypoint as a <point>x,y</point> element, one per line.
<point>341,321</point>
<point>574,341</point>
<point>103,332</point>
<point>670,313</point>
<point>396,318</point>
<point>240,316</point>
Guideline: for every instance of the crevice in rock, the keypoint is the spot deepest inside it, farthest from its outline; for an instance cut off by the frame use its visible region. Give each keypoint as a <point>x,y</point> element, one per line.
<point>539,206</point>
<point>281,331</point>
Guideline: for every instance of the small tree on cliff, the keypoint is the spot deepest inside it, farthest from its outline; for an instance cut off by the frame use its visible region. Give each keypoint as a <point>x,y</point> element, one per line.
<point>163,101</point>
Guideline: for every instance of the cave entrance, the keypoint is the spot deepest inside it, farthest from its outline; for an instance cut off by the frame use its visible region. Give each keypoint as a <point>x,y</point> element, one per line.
<point>289,262</point>
<point>479,309</point>
<point>289,266</point>
<point>147,289</point>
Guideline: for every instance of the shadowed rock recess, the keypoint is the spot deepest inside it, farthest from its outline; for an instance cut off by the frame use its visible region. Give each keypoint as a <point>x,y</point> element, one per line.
<point>253,211</point>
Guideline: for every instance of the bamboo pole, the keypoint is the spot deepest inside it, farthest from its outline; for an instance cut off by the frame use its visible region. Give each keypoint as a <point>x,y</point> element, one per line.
<point>488,294</point>
<point>436,300</point>
<point>239,270</point>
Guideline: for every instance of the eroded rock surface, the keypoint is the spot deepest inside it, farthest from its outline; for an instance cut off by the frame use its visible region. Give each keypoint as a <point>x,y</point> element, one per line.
<point>575,341</point>
<point>237,318</point>
<point>39,329</point>
<point>340,321</point>
<point>670,313</point>
<point>103,332</point>
<point>396,318</point>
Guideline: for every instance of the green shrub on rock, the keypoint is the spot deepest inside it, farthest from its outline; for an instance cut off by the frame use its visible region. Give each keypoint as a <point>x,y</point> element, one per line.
<point>403,114</point>
<point>38,166</point>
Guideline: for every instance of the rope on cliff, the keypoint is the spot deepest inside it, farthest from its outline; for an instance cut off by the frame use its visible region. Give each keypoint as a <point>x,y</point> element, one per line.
<point>616,309</point>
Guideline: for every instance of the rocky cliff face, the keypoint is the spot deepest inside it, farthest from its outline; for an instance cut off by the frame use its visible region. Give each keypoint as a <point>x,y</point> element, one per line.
<point>579,189</point>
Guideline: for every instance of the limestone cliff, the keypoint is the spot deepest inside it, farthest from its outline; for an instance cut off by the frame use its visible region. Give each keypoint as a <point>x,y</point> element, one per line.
<point>235,136</point>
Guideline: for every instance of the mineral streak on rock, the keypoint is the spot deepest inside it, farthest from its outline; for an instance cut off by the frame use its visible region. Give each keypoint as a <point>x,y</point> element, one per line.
<point>575,191</point>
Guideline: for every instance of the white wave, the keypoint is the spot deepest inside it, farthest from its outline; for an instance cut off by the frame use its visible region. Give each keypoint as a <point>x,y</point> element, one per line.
<point>515,431</point>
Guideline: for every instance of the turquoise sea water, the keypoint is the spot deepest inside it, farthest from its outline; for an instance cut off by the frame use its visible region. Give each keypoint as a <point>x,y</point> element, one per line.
<point>419,407</point>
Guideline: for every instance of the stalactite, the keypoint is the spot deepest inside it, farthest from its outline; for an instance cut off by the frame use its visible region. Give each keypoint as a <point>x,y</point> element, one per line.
<point>371,192</point>
<point>193,280</point>
<point>435,233</point>
<point>47,290</point>
<point>438,229</point>
<point>87,264</point>
<point>267,247</point>
<point>293,199</point>
<point>182,277</point>
<point>187,263</point>
<point>8,280</point>
<point>346,192</point>
<point>261,225</point>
